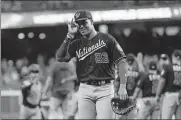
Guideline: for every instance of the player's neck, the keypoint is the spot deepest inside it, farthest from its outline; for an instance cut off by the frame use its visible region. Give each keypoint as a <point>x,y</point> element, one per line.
<point>92,34</point>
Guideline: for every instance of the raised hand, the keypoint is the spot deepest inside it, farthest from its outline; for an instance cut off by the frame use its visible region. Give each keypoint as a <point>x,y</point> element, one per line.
<point>72,28</point>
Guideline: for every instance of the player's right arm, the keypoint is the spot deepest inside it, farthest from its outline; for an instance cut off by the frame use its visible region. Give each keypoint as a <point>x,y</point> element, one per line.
<point>138,88</point>
<point>67,48</point>
<point>161,83</point>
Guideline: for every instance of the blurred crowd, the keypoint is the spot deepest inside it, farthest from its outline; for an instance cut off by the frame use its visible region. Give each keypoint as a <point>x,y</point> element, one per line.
<point>13,71</point>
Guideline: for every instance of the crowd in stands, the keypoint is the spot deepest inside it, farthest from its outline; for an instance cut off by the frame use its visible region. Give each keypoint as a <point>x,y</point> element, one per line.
<point>12,72</point>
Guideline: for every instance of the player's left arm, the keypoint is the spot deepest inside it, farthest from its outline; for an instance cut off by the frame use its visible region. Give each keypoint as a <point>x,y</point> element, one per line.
<point>120,82</point>
<point>118,57</point>
<point>161,83</point>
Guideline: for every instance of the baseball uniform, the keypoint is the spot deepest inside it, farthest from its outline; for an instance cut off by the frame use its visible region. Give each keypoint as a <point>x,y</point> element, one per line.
<point>95,67</point>
<point>31,94</point>
<point>172,75</point>
<point>149,106</point>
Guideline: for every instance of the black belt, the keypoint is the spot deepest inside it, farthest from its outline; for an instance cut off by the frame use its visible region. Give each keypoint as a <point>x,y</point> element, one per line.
<point>148,96</point>
<point>97,82</point>
<point>27,104</point>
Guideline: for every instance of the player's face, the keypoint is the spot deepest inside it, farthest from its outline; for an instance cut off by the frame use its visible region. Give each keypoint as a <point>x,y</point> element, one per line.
<point>176,60</point>
<point>33,75</point>
<point>85,26</point>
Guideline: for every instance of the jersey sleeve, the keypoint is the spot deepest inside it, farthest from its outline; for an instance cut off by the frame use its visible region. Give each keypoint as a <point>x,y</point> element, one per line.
<point>72,49</point>
<point>66,51</point>
<point>116,52</point>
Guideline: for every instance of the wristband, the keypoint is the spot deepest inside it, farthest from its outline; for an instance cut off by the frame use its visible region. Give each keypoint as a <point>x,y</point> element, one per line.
<point>67,39</point>
<point>70,36</point>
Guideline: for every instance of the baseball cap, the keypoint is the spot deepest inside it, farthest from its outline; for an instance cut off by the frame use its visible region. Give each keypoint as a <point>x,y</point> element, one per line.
<point>130,58</point>
<point>82,15</point>
<point>153,65</point>
<point>164,56</point>
<point>177,54</point>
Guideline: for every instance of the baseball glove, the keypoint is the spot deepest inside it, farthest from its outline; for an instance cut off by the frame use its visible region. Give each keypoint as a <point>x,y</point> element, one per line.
<point>122,107</point>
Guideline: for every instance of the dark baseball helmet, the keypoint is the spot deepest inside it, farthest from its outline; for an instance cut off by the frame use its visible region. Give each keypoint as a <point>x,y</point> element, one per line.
<point>130,58</point>
<point>34,68</point>
<point>153,65</point>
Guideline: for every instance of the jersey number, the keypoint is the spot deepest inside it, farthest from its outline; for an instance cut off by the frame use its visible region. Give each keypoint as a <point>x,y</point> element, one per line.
<point>101,57</point>
<point>177,80</point>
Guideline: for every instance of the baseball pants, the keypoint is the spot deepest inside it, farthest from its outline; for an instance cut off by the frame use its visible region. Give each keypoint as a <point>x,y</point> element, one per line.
<point>171,106</point>
<point>95,101</point>
<point>148,108</point>
<point>56,102</point>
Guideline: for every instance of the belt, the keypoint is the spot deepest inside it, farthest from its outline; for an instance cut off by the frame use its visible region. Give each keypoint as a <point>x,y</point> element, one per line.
<point>27,104</point>
<point>97,82</point>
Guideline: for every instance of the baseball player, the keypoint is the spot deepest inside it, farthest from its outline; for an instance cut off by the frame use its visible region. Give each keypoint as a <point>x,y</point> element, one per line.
<point>170,82</point>
<point>31,94</point>
<point>97,55</point>
<point>164,60</point>
<point>148,84</point>
<point>61,82</point>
